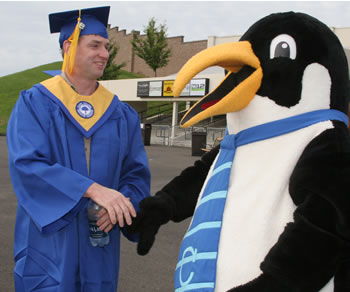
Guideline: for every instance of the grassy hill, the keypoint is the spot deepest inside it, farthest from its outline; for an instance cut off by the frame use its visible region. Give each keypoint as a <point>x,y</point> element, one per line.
<point>12,85</point>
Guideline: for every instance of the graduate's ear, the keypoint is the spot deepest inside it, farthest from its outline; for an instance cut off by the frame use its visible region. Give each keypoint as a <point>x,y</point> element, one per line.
<point>66,46</point>
<point>65,54</point>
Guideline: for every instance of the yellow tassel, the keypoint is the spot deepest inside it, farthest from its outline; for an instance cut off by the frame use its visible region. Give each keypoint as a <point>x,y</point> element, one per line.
<point>69,58</point>
<point>64,65</point>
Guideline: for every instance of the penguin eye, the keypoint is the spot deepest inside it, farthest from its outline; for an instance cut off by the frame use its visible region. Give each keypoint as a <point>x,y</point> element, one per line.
<point>283,45</point>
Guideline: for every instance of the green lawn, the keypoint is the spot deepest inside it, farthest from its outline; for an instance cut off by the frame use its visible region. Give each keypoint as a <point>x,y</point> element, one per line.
<point>12,85</point>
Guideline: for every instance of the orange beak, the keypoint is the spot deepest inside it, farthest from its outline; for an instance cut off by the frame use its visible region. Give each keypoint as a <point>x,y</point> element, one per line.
<point>234,93</point>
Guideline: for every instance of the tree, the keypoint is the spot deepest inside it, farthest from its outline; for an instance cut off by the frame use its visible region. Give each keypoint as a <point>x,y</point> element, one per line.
<point>153,48</point>
<point>112,70</point>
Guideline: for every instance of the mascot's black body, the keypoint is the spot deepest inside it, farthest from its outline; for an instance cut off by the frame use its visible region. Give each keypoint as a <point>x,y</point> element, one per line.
<point>286,223</point>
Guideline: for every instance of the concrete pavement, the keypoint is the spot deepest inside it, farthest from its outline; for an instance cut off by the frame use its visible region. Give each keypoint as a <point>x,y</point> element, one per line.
<point>153,272</point>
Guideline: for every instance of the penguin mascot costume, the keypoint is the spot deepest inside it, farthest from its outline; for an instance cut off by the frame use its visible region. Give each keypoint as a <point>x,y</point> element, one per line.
<point>271,207</point>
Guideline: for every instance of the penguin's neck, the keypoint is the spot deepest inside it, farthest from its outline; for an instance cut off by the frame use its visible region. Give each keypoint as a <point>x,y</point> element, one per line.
<point>261,110</point>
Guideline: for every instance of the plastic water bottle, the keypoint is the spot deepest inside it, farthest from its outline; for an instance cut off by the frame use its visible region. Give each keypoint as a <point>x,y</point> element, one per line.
<point>97,237</point>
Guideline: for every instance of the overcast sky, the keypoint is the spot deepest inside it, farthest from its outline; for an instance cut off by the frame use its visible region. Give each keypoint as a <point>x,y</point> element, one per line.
<point>27,43</point>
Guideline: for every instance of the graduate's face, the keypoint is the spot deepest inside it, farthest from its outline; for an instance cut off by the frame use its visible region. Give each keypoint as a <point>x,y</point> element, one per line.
<point>91,57</point>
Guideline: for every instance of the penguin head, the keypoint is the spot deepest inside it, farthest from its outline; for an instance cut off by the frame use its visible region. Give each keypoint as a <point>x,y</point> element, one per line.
<point>285,64</point>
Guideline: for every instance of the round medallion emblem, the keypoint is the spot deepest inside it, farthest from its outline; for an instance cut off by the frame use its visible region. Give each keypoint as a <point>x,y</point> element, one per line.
<point>85,109</point>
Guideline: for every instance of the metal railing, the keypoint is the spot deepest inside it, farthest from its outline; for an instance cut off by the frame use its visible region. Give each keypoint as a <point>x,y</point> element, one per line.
<point>172,136</point>
<point>166,135</point>
<point>162,132</point>
<point>215,132</point>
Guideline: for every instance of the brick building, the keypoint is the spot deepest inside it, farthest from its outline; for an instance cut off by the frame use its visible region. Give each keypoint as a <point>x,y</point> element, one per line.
<point>180,52</point>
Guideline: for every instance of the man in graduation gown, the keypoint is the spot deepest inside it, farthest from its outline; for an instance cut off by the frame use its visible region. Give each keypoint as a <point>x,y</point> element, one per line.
<point>70,140</point>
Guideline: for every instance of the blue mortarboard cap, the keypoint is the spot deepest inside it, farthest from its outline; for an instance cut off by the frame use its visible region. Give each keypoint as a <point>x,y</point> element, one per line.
<point>94,21</point>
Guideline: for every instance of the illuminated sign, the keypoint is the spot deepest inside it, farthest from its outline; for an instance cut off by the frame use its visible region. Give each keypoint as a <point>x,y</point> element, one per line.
<point>198,87</point>
<point>143,88</point>
<point>195,88</point>
<point>168,87</point>
<point>186,90</point>
<point>155,88</point>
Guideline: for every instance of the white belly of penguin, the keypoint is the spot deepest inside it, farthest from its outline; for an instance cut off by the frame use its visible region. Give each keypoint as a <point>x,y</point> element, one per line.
<point>258,204</point>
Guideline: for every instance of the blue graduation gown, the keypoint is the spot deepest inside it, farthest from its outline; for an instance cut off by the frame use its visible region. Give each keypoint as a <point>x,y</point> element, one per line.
<point>49,175</point>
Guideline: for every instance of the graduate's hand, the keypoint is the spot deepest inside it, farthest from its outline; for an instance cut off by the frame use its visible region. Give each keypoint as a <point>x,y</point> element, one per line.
<point>118,207</point>
<point>104,223</point>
